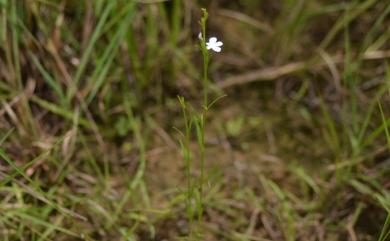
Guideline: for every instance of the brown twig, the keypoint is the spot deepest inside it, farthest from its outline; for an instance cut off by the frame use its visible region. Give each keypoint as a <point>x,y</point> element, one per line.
<point>273,73</point>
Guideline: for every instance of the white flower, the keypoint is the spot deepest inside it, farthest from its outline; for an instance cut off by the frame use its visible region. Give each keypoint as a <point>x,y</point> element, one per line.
<point>214,44</point>
<point>200,37</point>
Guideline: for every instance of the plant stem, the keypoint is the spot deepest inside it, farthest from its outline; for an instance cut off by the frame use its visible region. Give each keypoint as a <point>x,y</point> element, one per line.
<point>205,54</point>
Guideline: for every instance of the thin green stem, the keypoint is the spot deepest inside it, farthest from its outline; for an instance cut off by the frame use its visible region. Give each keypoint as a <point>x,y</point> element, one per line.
<point>205,54</point>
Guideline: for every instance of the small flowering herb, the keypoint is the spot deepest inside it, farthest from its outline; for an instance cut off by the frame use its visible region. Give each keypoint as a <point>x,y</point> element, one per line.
<point>197,120</point>
<point>214,44</point>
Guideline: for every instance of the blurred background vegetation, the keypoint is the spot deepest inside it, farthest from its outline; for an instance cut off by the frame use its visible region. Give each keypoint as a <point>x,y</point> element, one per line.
<point>298,149</point>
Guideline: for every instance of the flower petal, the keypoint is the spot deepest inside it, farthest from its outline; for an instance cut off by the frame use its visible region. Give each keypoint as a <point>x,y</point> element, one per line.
<point>213,40</point>
<point>219,44</point>
<point>217,49</point>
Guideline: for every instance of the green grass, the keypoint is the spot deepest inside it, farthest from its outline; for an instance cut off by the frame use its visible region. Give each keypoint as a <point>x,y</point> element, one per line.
<point>116,122</point>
